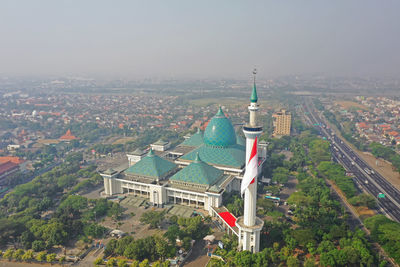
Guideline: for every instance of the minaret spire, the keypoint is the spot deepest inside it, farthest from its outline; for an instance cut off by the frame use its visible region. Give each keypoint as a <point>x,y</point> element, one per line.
<point>253,97</point>
<point>249,224</point>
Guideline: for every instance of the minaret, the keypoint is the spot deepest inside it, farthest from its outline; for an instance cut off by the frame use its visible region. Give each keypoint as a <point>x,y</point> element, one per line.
<point>249,225</point>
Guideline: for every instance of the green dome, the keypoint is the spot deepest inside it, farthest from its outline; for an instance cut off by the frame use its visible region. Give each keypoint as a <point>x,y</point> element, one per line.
<point>219,131</point>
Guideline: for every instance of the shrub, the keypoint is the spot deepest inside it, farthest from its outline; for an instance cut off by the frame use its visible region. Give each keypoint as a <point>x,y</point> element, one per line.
<point>111,262</point>
<point>18,254</point>
<point>98,261</point>
<point>28,255</point>
<point>51,257</point>
<point>41,256</point>
<point>8,254</point>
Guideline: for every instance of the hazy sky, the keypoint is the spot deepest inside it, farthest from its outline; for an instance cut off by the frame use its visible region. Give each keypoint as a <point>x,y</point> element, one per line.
<point>200,39</point>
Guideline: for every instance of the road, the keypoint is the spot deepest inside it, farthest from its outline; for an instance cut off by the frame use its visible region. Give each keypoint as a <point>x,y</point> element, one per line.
<point>365,176</point>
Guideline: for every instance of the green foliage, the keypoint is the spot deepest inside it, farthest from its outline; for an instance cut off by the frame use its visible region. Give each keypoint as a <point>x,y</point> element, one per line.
<point>115,211</point>
<point>154,218</point>
<point>292,262</point>
<point>172,234</point>
<point>111,262</point>
<point>62,259</point>
<point>28,255</point>
<point>122,263</point>
<point>265,205</point>
<point>75,202</point>
<point>98,261</point>
<point>387,233</point>
<point>336,173</point>
<point>8,254</point>
<point>363,200</point>
<point>144,263</point>
<point>41,256</point>
<point>193,227</point>
<point>51,257</point>
<point>387,153</point>
<point>319,151</point>
<point>18,254</point>
<point>299,199</point>
<point>280,175</point>
<point>273,162</point>
<point>94,230</point>
<point>233,203</point>
<point>158,247</point>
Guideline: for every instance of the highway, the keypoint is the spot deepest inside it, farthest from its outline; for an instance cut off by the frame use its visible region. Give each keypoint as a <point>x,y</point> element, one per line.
<point>365,176</point>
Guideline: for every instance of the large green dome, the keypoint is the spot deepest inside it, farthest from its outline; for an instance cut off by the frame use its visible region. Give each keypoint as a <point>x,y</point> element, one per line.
<point>219,131</point>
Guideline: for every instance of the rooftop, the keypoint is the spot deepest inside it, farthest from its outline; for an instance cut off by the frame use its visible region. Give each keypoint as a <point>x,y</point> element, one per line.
<point>219,131</point>
<point>198,172</point>
<point>151,166</point>
<point>195,140</point>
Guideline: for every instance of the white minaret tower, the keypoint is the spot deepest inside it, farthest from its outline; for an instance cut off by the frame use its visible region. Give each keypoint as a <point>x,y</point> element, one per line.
<point>249,225</point>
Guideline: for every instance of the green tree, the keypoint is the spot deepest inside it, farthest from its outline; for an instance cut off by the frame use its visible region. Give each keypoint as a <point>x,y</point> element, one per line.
<point>41,256</point>
<point>319,151</point>
<point>62,259</point>
<point>292,262</point>
<point>172,234</point>
<point>135,263</point>
<point>122,263</point>
<point>280,175</point>
<point>363,200</point>
<point>98,261</point>
<point>144,263</point>
<point>186,243</point>
<point>75,202</point>
<point>8,254</point>
<point>51,257</point>
<point>111,262</point>
<point>38,245</point>
<point>310,262</point>
<point>162,247</point>
<point>154,218</point>
<point>327,259</point>
<point>18,254</point>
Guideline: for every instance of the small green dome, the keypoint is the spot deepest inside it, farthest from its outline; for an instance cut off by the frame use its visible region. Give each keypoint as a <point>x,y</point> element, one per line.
<point>219,131</point>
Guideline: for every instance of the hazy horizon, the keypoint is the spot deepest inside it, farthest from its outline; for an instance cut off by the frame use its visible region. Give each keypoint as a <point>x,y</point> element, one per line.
<point>204,39</point>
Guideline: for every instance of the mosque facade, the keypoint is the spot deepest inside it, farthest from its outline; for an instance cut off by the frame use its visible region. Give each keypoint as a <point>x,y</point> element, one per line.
<point>195,173</point>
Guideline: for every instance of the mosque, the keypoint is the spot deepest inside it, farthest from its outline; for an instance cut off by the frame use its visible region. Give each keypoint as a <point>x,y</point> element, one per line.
<point>197,172</point>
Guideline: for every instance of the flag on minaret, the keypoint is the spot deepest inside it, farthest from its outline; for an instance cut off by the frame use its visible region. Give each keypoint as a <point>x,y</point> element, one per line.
<point>251,169</point>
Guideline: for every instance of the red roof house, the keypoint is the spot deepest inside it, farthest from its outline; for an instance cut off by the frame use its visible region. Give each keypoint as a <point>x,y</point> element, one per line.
<point>68,136</point>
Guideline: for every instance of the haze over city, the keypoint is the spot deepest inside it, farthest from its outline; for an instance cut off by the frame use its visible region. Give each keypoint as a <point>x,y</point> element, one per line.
<point>200,133</point>
<point>199,39</point>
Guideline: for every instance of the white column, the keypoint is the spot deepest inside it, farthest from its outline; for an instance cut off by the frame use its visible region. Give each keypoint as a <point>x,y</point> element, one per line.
<point>250,194</point>
<point>246,240</point>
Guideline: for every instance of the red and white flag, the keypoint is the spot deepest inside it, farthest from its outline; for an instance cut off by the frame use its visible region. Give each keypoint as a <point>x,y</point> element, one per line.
<point>251,169</point>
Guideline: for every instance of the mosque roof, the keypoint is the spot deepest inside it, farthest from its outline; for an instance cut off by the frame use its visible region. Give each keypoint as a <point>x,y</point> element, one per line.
<point>232,156</point>
<point>219,131</point>
<point>152,166</point>
<point>195,140</point>
<point>198,172</point>
<point>220,144</point>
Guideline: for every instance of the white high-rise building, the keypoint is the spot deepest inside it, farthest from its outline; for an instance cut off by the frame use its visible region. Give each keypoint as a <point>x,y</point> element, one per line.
<point>249,224</point>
